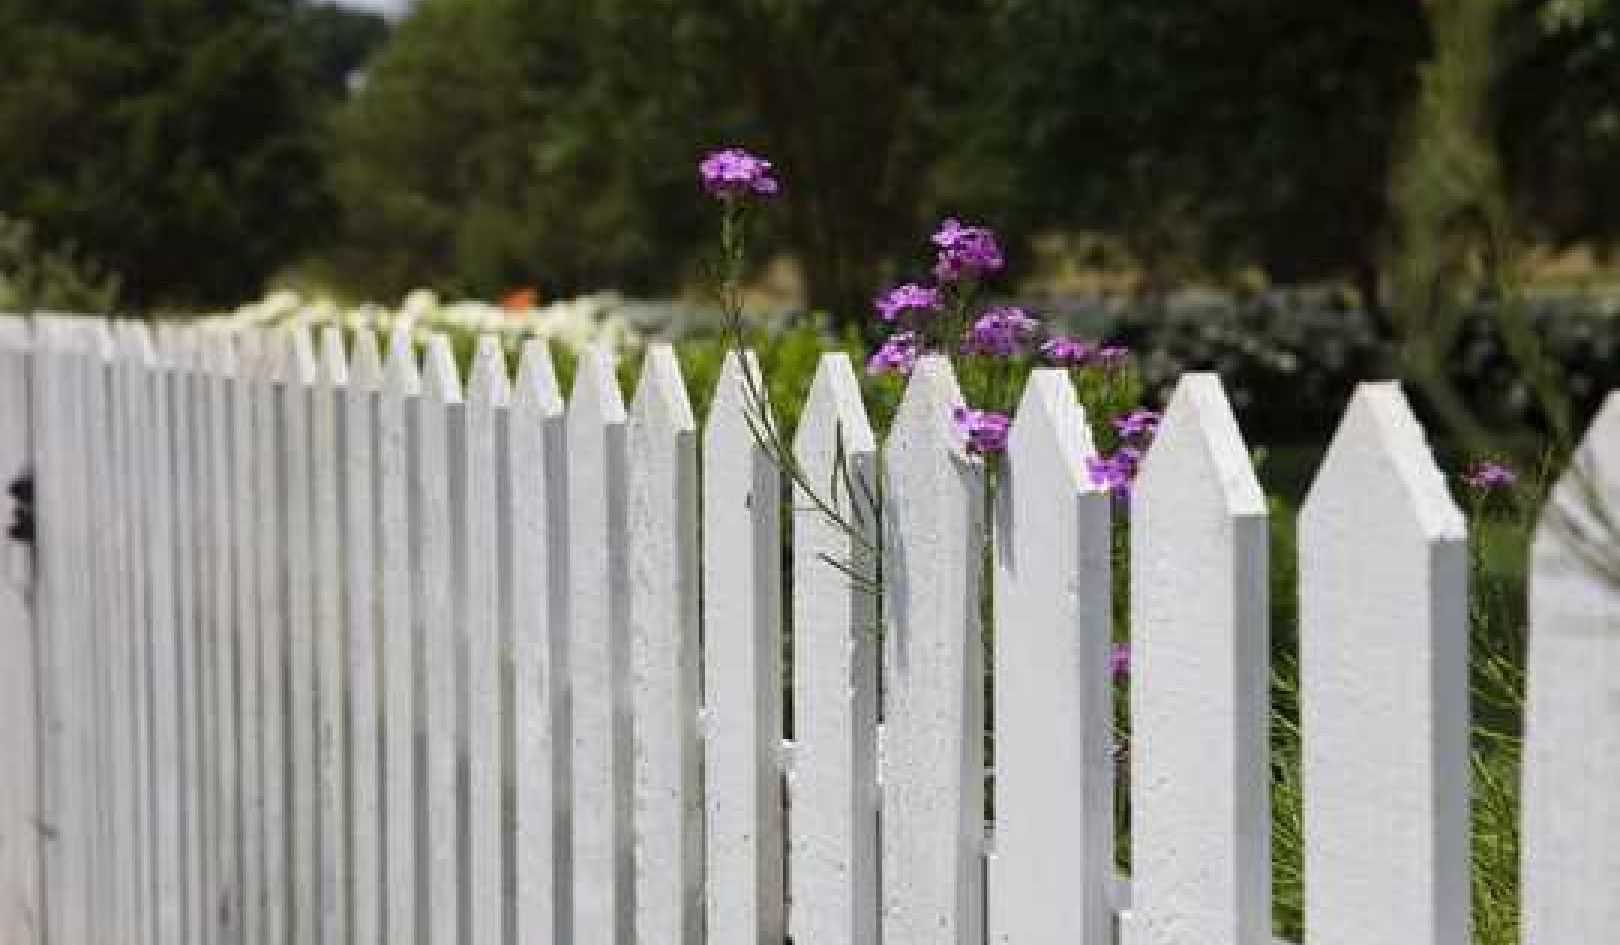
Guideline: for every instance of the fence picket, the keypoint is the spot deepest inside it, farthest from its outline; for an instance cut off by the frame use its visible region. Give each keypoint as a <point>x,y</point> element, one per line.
<point>298,576</point>
<point>109,910</point>
<point>21,900</point>
<point>1200,817</point>
<point>488,393</point>
<point>1383,687</point>
<point>933,767</point>
<point>244,498</point>
<point>1052,860</point>
<point>437,425</point>
<point>537,579</point>
<point>326,508</point>
<point>599,657</point>
<point>358,419</point>
<point>396,408</point>
<point>1571,800</point>
<point>272,400</point>
<point>833,853</point>
<point>662,536</point>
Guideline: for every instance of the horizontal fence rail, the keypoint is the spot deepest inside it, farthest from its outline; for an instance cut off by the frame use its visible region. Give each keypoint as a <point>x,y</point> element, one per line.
<point>307,642</point>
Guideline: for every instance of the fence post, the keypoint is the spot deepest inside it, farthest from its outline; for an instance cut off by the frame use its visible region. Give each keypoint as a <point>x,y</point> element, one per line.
<point>21,906</point>
<point>1571,802</point>
<point>1383,651</point>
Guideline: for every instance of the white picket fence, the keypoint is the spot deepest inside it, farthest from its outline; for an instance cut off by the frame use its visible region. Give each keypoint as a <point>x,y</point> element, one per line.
<point>325,647</point>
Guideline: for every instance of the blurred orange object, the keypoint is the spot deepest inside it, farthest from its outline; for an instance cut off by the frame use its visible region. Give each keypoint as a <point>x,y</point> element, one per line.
<point>522,300</point>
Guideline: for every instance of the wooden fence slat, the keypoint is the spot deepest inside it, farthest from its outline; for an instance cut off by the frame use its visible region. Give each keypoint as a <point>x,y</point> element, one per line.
<point>833,854</point>
<point>1200,781</point>
<point>437,419</point>
<point>663,559</point>
<point>1571,787</point>
<point>298,566</point>
<point>21,902</point>
<point>358,403</point>
<point>742,659</point>
<point>1384,687</point>
<point>933,768</point>
<point>326,451</point>
<point>599,657</point>
<point>110,909</point>
<point>191,566</point>
<point>1053,857</point>
<point>244,498</point>
<point>538,582</point>
<point>402,383</point>
<point>488,393</point>
<point>273,396</point>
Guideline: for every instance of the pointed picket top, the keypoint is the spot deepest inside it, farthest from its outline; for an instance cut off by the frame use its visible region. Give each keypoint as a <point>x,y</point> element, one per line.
<point>487,381</point>
<point>332,365</point>
<point>98,337</point>
<point>219,355</point>
<point>440,379</point>
<point>366,369</point>
<point>402,374</point>
<point>537,379</point>
<point>16,333</point>
<point>833,409</point>
<point>275,351</point>
<point>1050,427</point>
<point>133,343</point>
<point>1383,591</point>
<point>596,389</point>
<point>660,401</point>
<point>923,420</point>
<point>1380,440</point>
<point>1571,864</point>
<point>301,366</point>
<point>1199,696</point>
<point>734,413</point>
<point>1199,431</point>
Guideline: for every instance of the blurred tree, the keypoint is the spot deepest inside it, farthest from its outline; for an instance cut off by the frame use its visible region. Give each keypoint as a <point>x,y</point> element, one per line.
<point>503,142</point>
<point>1225,134</point>
<point>177,142</point>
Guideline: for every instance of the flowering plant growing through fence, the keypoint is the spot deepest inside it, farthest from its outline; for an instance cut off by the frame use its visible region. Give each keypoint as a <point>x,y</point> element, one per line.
<point>991,347</point>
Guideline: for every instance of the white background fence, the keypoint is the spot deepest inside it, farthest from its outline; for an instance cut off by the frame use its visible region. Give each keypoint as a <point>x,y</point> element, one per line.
<point>321,646</point>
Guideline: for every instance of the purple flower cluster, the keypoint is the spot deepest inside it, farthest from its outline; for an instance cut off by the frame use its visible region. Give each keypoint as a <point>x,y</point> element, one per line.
<point>966,252</point>
<point>1001,332</point>
<point>1119,661</point>
<point>898,355</point>
<point>986,430</point>
<point>909,298</point>
<point>1139,424</point>
<point>1115,472</point>
<point>1067,352</point>
<point>1489,476</point>
<point>734,173</point>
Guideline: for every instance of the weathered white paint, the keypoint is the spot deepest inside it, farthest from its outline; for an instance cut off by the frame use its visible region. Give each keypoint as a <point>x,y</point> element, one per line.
<point>21,906</point>
<point>599,657</point>
<point>326,452</point>
<point>1200,781</point>
<point>742,657</point>
<point>932,773</point>
<point>225,904</point>
<point>244,499</point>
<point>833,853</point>
<point>98,452</point>
<point>1384,687</point>
<point>1571,830</point>
<point>437,419</point>
<point>488,393</point>
<point>537,581</point>
<point>298,576</point>
<point>663,552</point>
<point>1053,856</point>
<point>402,384</point>
<point>270,485</point>
<point>358,418</point>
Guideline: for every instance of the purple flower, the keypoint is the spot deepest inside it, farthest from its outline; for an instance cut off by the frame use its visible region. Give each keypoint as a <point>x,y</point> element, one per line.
<point>1140,423</point>
<point>1119,660</point>
<point>1116,472</point>
<point>1000,331</point>
<point>735,173</point>
<point>1488,476</point>
<point>1112,356</point>
<point>966,252</point>
<point>986,431</point>
<point>896,356</point>
<point>1067,351</point>
<point>909,297</point>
